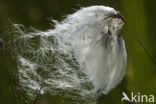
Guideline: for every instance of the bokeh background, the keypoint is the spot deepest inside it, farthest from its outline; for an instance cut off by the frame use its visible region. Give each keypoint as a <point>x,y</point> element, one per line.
<point>140,15</point>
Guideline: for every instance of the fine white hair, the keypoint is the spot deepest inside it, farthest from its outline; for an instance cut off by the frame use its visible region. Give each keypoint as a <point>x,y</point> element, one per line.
<point>78,54</point>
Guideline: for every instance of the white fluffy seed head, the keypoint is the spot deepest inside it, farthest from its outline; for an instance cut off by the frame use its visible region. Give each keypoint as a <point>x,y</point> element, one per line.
<point>78,54</point>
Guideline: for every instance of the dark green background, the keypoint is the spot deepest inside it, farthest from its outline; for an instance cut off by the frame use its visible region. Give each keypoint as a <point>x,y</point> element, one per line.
<point>140,14</point>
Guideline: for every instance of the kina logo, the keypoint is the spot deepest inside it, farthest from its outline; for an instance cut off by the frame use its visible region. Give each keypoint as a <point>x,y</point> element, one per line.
<point>137,97</point>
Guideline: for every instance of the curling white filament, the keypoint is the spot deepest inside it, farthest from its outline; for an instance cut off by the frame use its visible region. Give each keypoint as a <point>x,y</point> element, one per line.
<point>84,54</point>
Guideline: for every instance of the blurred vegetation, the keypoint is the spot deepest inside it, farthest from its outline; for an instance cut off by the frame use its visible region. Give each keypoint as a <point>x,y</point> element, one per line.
<point>140,14</point>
